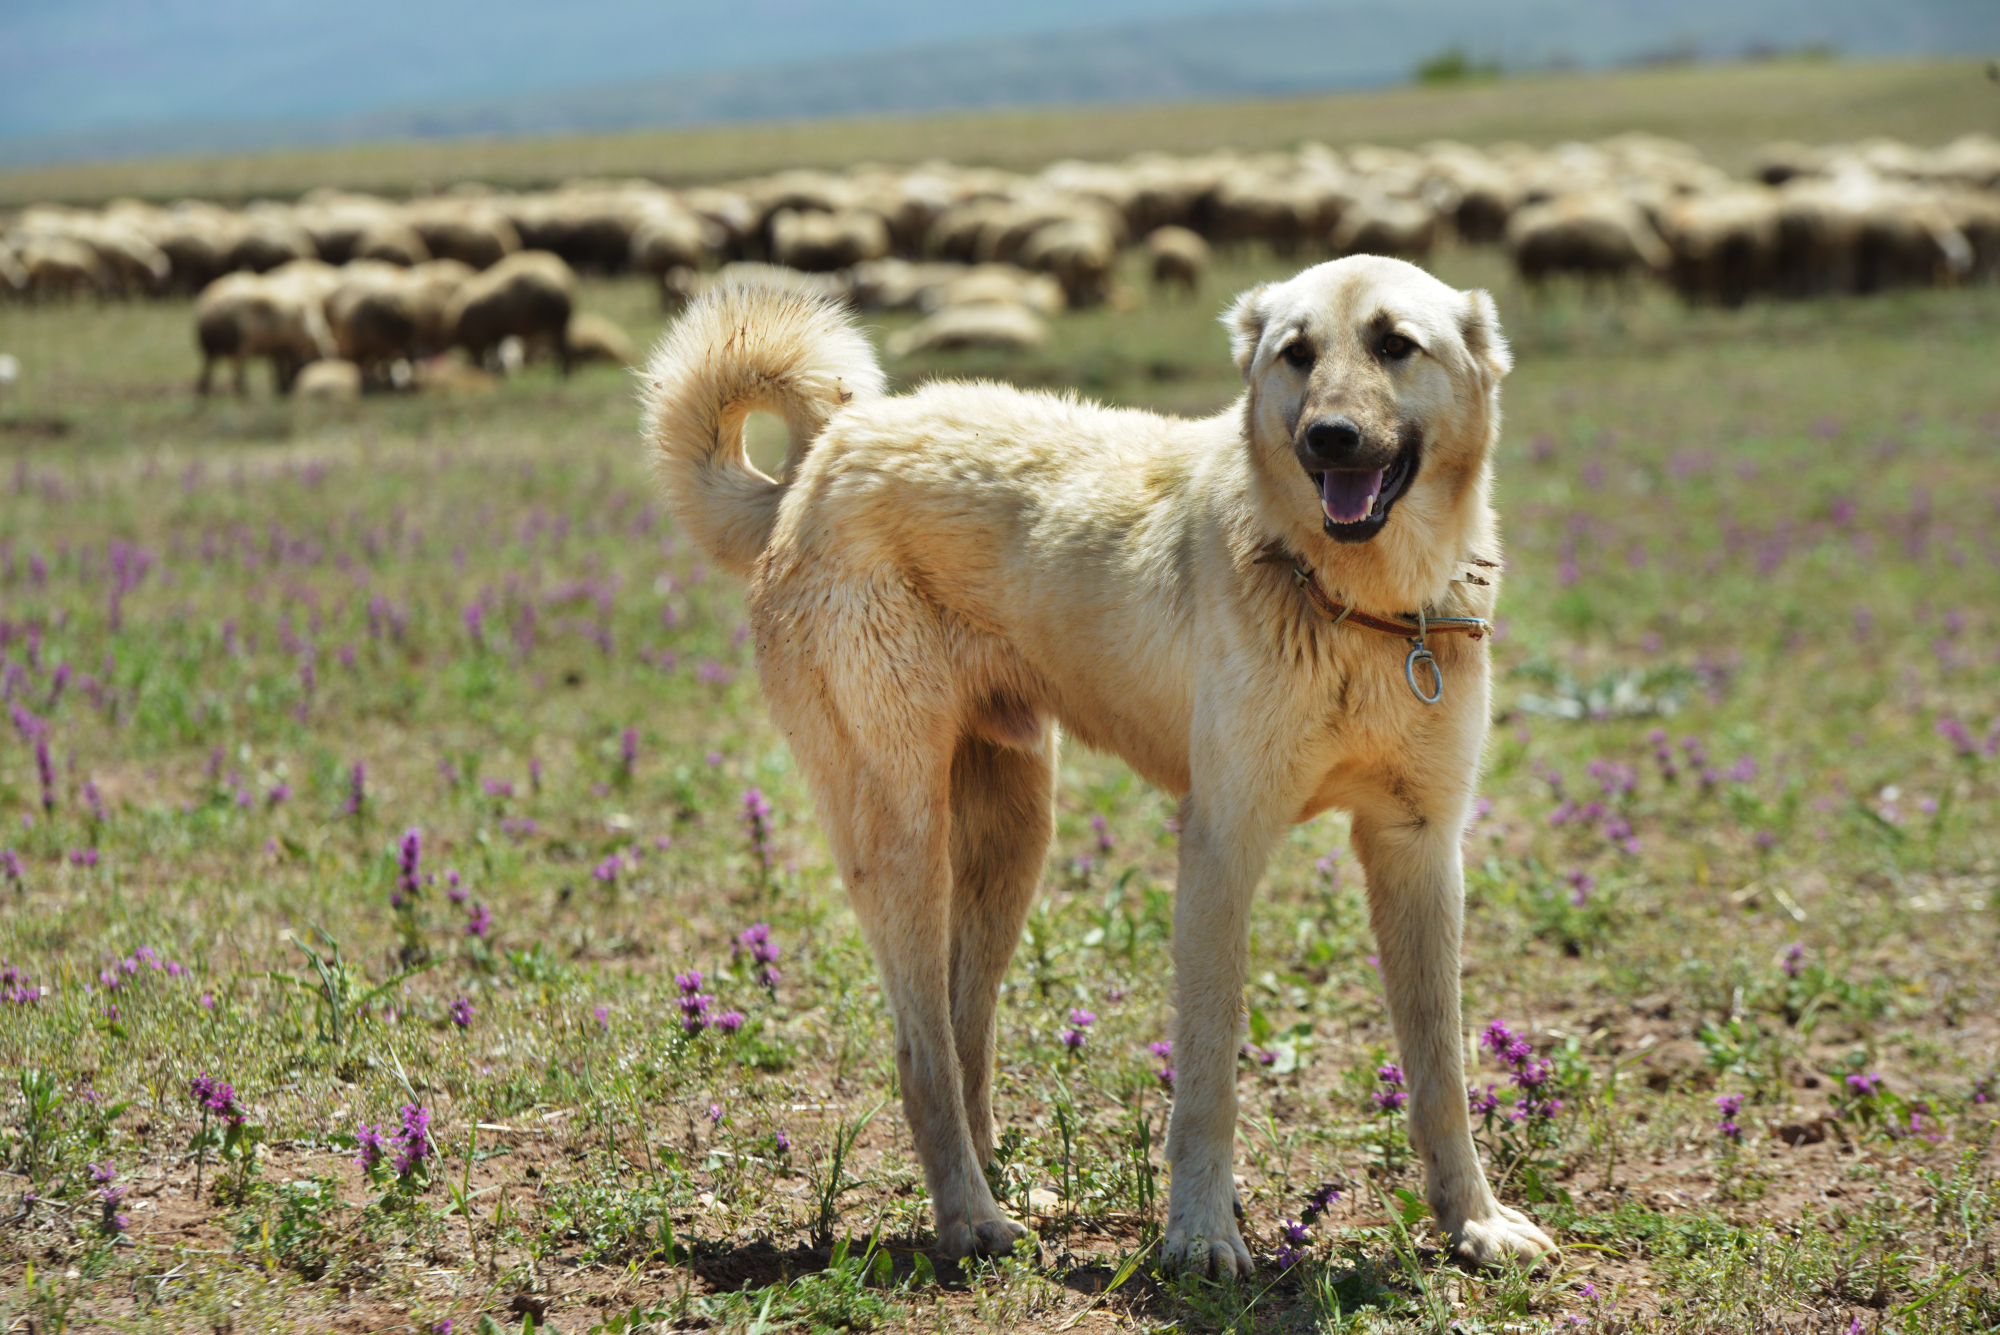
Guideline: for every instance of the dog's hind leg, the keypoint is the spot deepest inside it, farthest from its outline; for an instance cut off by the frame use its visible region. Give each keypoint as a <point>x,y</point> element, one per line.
<point>886,808</point>
<point>1003,817</point>
<point>1416,905</point>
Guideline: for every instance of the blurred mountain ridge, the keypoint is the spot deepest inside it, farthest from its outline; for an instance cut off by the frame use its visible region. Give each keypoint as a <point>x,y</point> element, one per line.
<point>290,77</point>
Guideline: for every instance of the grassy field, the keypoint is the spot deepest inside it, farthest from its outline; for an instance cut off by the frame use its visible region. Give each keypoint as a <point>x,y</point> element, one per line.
<point>277,668</point>
<point>1725,110</point>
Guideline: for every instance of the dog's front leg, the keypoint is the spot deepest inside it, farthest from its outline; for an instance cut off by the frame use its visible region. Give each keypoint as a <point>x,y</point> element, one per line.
<point>1416,904</point>
<point>1223,850</point>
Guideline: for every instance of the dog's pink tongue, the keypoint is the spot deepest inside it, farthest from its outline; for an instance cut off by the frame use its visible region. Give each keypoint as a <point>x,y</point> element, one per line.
<point>1349,497</point>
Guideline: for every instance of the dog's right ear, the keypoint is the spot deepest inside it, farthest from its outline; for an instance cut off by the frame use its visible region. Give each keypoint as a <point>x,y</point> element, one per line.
<point>1480,326</point>
<point>1245,322</point>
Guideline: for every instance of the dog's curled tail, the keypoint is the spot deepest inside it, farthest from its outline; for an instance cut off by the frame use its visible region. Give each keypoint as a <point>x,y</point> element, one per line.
<point>736,350</point>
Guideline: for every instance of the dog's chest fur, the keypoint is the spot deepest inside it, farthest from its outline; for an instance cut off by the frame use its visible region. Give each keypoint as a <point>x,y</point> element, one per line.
<point>1362,729</point>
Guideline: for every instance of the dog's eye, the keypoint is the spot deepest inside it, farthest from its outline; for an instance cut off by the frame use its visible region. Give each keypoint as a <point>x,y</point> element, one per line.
<point>1300,355</point>
<point>1395,347</point>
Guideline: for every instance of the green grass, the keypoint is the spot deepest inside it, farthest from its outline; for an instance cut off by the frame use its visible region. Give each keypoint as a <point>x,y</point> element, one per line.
<point>1727,111</point>
<point>1779,523</point>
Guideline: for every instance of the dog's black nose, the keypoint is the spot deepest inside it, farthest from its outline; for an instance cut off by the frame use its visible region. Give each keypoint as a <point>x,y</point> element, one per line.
<point>1333,438</point>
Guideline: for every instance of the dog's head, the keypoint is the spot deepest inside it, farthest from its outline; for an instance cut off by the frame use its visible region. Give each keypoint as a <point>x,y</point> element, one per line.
<point>1373,409</point>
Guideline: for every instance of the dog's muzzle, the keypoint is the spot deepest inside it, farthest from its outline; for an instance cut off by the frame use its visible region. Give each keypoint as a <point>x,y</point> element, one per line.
<point>1358,481</point>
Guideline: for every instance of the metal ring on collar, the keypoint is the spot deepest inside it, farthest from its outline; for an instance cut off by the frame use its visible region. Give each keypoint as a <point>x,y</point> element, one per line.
<point>1437,674</point>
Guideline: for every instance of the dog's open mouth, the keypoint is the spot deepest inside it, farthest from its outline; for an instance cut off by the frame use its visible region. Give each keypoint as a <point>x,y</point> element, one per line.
<point>1356,503</point>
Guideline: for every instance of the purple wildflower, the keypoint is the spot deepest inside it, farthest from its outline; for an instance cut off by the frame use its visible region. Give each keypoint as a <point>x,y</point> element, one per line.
<point>1318,1201</point>
<point>217,1097</point>
<point>454,886</point>
<point>1958,735</point>
<point>103,1176</point>
<point>1505,1045</point>
<point>15,989</point>
<point>1865,1086</point>
<point>1727,1106</point>
<point>1794,954</point>
<point>26,722</point>
<point>1581,883</point>
<point>782,1141</point>
<point>1164,1051</point>
<point>1533,1075</point>
<point>1663,755</point>
<point>357,789</point>
<point>1530,1075</point>
<point>628,753</point>
<point>371,1148</point>
<point>409,857</point>
<point>413,1139</point>
<point>461,1012</point>
<point>1297,1234</point>
<point>694,1012</point>
<point>47,770</point>
<point>1079,1029</point>
<point>755,941</point>
<point>728,1022</point>
<point>757,820</point>
<point>715,1114</point>
<point>695,1005</point>
<point>1392,1096</point>
<point>1615,778</point>
<point>1105,843</point>
<point>478,921</point>
<point>603,1016</point>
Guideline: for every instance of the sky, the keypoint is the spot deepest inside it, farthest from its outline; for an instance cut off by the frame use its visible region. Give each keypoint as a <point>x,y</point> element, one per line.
<point>93,78</point>
<point>68,65</point>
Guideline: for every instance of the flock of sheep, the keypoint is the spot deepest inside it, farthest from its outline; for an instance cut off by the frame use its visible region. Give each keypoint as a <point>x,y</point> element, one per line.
<point>379,290</point>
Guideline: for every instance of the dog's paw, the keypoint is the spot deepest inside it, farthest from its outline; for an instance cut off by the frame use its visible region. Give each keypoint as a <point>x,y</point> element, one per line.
<point>1504,1235</point>
<point>985,1237</point>
<point>1224,1257</point>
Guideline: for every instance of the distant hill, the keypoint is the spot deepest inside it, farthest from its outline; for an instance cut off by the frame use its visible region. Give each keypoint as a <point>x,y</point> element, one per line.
<point>1244,52</point>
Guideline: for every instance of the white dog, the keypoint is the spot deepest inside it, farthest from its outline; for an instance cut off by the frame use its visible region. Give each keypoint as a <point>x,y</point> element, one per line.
<point>1250,609</point>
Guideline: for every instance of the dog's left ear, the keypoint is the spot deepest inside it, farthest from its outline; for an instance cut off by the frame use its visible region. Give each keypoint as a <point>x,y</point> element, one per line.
<point>1479,325</point>
<point>1245,322</point>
